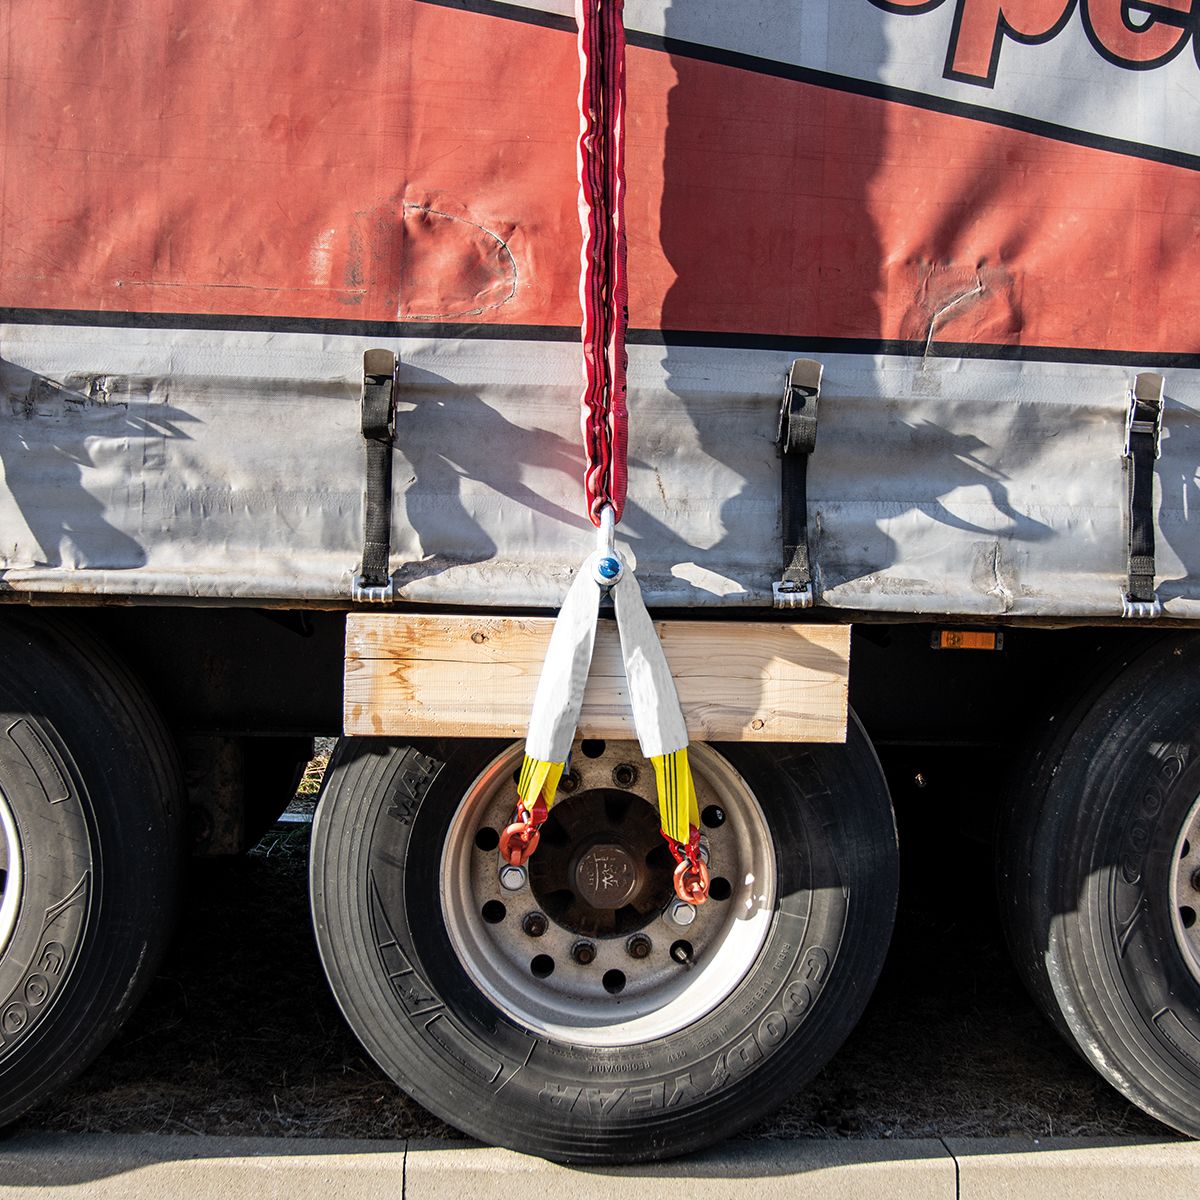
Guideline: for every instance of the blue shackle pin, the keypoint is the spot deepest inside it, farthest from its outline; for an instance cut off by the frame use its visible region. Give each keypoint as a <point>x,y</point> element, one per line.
<point>608,567</point>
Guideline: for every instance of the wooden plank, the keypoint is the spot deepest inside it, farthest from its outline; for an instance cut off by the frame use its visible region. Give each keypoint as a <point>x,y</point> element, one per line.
<point>413,675</point>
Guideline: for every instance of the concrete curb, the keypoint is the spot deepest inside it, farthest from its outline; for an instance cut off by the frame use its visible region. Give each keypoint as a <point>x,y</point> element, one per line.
<point>134,1167</point>
<point>1066,1168</point>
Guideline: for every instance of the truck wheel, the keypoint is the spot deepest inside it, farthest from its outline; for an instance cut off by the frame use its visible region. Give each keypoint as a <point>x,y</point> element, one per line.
<point>1100,881</point>
<point>90,815</point>
<point>574,1013</point>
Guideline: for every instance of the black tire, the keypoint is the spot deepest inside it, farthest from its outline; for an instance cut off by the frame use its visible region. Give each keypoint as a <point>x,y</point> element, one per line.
<point>1086,862</point>
<point>89,776</point>
<point>377,844</point>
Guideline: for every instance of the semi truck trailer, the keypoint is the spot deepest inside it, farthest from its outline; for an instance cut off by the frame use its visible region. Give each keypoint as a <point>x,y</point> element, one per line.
<point>290,435</point>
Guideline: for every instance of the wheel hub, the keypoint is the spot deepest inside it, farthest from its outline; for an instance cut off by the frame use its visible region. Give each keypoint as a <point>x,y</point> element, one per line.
<point>602,869</point>
<point>586,947</point>
<point>606,875</point>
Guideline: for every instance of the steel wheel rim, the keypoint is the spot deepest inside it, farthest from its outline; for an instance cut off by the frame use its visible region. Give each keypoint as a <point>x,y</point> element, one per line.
<point>1185,891</point>
<point>660,994</point>
<point>11,868</point>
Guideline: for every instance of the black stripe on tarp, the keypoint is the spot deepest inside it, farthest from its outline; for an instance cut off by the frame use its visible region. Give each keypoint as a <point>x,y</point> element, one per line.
<point>509,12</point>
<point>777,69</point>
<point>700,339</point>
<point>234,323</point>
<point>913,349</point>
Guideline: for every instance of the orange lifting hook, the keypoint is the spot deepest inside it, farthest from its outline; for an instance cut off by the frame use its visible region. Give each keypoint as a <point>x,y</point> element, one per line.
<point>691,881</point>
<point>520,839</point>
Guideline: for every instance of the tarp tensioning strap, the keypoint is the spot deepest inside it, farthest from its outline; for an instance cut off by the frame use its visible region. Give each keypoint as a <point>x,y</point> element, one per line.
<point>378,430</point>
<point>1143,431</point>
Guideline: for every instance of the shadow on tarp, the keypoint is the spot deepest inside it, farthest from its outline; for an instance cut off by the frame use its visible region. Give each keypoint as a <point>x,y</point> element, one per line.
<point>65,443</point>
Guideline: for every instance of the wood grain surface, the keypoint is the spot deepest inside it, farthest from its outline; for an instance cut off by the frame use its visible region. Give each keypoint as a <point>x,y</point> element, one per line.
<point>413,675</point>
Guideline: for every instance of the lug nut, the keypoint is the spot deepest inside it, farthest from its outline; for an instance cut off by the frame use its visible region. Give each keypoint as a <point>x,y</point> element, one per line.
<point>638,946</point>
<point>569,782</point>
<point>681,913</point>
<point>583,953</point>
<point>512,879</point>
<point>534,924</point>
<point>624,775</point>
<point>1196,881</point>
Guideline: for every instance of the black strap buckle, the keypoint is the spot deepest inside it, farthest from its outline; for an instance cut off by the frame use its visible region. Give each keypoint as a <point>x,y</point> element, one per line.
<point>373,583</point>
<point>797,438</point>
<point>1145,413</point>
<point>798,412</point>
<point>1143,446</point>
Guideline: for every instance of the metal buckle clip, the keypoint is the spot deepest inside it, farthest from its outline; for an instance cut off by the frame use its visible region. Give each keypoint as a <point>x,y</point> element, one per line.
<point>1147,392</point>
<point>362,592</point>
<point>1141,610</point>
<point>793,595</point>
<point>379,366</point>
<point>798,410</point>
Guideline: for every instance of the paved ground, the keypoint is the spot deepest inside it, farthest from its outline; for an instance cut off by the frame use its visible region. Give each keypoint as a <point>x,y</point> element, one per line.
<point>240,1036</point>
<point>162,1168</point>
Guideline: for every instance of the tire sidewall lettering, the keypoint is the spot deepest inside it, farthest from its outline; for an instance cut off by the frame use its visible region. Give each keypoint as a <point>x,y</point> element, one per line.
<point>56,833</point>
<point>776,997</point>
<point>439,1036</point>
<point>1143,943</point>
<point>92,777</point>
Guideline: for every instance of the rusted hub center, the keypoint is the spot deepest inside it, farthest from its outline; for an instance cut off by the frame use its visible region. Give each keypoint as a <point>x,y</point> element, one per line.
<point>602,868</point>
<point>606,876</point>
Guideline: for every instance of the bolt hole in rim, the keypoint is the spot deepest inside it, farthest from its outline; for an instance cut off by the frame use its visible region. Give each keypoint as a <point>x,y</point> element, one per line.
<point>11,872</point>
<point>615,998</point>
<point>1185,890</point>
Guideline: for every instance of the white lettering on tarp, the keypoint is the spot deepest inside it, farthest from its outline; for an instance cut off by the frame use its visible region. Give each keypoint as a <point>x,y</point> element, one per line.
<point>1136,35</point>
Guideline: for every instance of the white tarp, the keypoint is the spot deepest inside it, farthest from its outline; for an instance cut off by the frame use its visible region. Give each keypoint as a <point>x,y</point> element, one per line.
<point>173,464</point>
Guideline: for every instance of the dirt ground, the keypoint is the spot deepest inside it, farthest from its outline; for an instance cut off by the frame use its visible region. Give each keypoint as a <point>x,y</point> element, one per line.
<point>239,1033</point>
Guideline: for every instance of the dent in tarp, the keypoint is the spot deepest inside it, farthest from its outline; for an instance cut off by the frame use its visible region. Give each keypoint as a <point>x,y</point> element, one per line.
<point>167,463</point>
<point>428,260</point>
<point>452,267</point>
